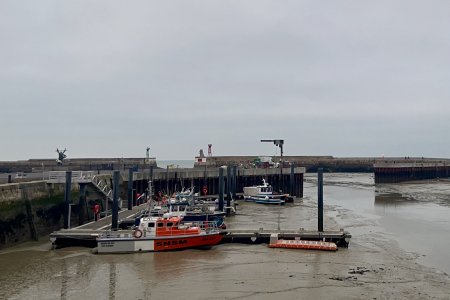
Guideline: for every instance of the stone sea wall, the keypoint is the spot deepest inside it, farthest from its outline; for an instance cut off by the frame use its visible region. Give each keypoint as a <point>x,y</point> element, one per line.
<point>30,210</point>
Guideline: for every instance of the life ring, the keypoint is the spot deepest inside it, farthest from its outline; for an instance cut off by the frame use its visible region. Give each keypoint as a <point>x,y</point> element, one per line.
<point>137,233</point>
<point>205,190</point>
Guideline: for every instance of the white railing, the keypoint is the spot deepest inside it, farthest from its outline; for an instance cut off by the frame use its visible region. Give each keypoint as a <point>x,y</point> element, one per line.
<point>77,176</point>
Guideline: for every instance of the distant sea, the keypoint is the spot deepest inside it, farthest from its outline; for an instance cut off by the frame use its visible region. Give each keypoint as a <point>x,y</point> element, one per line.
<point>179,163</point>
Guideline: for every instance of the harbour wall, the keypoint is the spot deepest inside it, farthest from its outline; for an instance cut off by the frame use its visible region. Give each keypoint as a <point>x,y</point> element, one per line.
<point>29,210</point>
<point>79,164</point>
<point>393,172</point>
<point>288,180</point>
<point>312,163</point>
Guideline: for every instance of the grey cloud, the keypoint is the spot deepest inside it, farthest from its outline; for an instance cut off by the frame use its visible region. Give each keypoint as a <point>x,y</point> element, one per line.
<point>331,77</point>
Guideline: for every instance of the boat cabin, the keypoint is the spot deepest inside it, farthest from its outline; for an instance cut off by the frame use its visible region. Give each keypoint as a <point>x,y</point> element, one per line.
<point>166,226</point>
<point>264,189</point>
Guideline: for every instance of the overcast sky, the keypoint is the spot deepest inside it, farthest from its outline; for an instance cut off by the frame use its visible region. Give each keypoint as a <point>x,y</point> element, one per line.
<point>109,78</point>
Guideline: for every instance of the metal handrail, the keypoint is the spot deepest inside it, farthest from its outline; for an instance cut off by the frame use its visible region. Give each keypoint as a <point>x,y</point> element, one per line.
<point>60,176</point>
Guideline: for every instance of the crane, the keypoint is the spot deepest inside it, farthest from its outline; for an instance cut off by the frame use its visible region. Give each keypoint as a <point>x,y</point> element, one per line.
<point>278,143</point>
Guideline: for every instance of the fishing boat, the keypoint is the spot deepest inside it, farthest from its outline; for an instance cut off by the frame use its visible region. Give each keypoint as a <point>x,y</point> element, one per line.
<point>263,194</point>
<point>185,196</point>
<point>160,234</point>
<point>195,213</point>
<point>204,213</point>
<point>189,213</point>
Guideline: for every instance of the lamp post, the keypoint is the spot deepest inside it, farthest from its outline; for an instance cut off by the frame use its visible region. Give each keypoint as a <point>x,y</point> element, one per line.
<point>279,143</point>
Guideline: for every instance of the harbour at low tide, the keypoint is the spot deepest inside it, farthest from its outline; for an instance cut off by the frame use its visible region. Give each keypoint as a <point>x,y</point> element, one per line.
<point>397,232</point>
<point>415,214</point>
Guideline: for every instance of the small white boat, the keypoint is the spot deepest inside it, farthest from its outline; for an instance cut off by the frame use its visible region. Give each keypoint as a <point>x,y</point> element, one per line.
<point>263,194</point>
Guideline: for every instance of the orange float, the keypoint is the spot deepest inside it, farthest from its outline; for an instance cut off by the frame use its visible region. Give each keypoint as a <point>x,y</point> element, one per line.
<point>304,244</point>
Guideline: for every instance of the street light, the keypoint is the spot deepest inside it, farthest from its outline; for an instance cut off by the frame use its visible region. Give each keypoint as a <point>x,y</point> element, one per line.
<point>278,143</point>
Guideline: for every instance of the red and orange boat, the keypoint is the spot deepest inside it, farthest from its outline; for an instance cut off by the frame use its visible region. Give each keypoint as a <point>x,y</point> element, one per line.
<point>160,234</point>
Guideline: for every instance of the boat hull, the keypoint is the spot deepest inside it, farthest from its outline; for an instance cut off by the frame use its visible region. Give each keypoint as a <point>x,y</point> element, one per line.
<point>270,201</point>
<point>152,244</point>
<point>265,200</point>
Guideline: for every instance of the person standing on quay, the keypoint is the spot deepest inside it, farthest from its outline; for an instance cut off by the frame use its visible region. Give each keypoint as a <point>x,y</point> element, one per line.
<point>96,211</point>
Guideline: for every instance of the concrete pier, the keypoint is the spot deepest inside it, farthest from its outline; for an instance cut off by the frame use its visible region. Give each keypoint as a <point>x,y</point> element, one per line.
<point>86,237</point>
<point>173,180</point>
<point>86,234</point>
<point>392,172</point>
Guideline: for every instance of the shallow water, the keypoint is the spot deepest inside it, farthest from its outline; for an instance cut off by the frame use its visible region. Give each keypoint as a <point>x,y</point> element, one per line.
<point>416,215</point>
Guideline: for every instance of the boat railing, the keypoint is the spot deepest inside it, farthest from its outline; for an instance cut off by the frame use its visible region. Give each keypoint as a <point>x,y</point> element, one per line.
<point>175,229</point>
<point>116,234</point>
<point>206,226</point>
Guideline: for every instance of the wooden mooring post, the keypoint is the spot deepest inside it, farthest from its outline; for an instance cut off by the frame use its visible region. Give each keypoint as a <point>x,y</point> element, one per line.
<point>67,192</point>
<point>320,199</point>
<point>221,188</point>
<point>130,189</point>
<point>115,207</point>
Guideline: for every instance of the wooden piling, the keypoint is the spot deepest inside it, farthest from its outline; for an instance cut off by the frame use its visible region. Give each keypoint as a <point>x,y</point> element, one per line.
<point>130,189</point>
<point>115,206</point>
<point>67,194</point>
<point>221,188</point>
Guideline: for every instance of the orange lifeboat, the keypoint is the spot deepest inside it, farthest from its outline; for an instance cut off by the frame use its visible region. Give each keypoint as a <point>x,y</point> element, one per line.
<point>303,244</point>
<point>160,234</point>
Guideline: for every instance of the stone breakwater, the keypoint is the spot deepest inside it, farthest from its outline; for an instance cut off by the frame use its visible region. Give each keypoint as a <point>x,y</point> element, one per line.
<point>80,164</point>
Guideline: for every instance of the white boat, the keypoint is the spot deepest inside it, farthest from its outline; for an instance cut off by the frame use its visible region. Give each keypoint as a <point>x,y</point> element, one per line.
<point>183,197</point>
<point>263,194</point>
